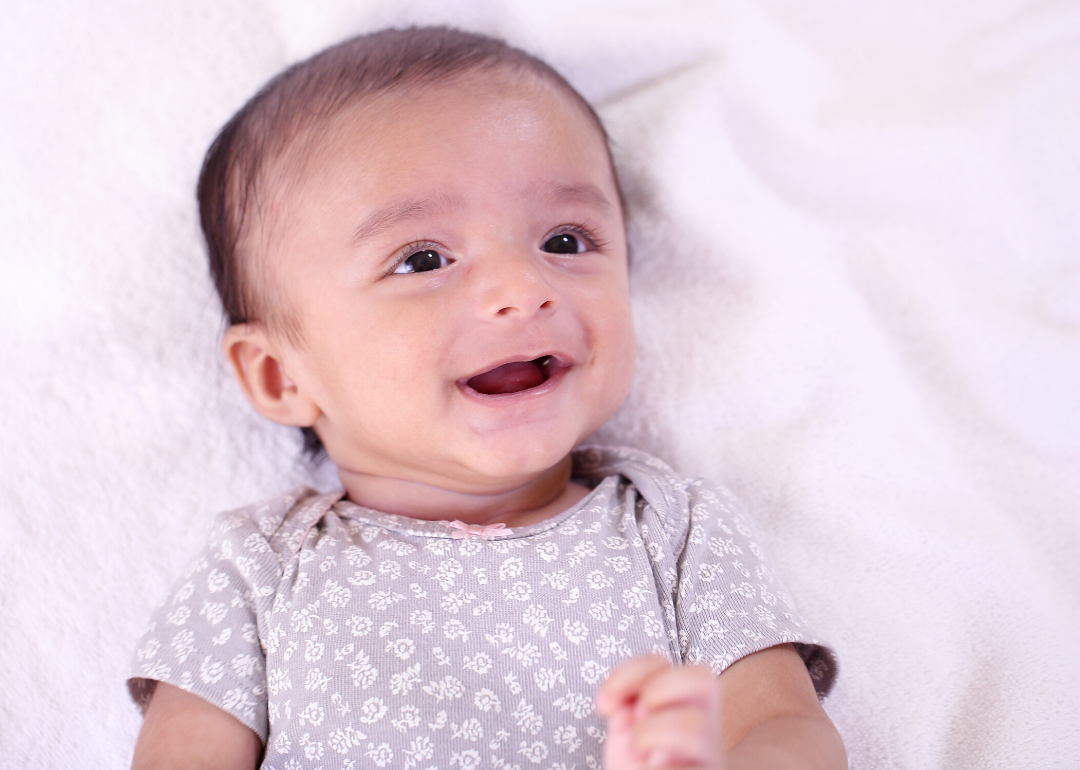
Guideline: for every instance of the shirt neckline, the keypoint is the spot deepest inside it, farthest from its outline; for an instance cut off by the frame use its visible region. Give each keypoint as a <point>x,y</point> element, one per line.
<point>441,529</point>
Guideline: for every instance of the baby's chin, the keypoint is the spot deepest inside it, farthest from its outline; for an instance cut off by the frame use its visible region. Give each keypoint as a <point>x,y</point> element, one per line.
<point>508,465</point>
<point>481,468</point>
<point>461,486</point>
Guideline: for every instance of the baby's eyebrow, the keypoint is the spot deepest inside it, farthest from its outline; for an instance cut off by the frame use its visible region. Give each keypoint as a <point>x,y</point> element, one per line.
<point>388,216</point>
<point>584,193</point>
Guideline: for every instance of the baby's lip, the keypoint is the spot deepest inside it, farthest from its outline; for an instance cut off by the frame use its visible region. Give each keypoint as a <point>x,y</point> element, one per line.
<point>516,374</point>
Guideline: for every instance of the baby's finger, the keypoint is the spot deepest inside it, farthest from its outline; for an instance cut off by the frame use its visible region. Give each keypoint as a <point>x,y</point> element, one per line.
<point>680,736</point>
<point>619,745</point>
<point>625,683</point>
<point>680,685</point>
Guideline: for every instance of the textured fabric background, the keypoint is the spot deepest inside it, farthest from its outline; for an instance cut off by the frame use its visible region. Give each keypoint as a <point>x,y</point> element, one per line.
<point>857,285</point>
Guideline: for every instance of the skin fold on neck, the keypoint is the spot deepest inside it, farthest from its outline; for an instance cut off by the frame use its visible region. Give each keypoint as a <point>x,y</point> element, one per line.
<point>541,497</point>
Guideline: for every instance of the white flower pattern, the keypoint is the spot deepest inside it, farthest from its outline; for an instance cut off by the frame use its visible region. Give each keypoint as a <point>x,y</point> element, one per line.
<point>346,637</point>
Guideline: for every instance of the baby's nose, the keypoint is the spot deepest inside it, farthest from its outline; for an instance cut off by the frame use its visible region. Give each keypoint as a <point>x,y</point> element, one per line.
<point>515,285</point>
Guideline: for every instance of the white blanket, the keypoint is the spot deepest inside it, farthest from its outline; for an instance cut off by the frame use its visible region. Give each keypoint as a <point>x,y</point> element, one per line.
<point>856,267</point>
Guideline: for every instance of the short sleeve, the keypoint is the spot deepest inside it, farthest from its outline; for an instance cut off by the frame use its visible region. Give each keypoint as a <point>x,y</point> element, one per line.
<point>729,602</point>
<point>205,637</point>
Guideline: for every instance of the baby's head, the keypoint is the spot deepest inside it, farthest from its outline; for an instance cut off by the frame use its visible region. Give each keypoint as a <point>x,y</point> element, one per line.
<point>418,239</point>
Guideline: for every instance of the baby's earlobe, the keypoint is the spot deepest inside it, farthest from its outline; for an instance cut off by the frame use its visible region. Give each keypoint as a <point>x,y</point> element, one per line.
<point>258,368</point>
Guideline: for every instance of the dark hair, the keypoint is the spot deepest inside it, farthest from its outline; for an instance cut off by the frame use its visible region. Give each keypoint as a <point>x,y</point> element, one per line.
<point>304,98</point>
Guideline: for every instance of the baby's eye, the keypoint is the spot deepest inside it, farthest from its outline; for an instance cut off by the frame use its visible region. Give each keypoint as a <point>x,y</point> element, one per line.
<point>421,262</point>
<point>565,243</point>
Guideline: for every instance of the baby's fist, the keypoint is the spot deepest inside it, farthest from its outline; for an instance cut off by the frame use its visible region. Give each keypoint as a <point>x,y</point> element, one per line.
<point>661,716</point>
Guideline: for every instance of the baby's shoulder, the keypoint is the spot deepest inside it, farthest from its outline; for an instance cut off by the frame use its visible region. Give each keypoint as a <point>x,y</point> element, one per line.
<point>656,481</point>
<point>280,522</point>
<point>677,502</point>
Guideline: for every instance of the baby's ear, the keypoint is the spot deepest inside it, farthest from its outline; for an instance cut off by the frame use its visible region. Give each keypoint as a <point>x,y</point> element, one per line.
<point>256,360</point>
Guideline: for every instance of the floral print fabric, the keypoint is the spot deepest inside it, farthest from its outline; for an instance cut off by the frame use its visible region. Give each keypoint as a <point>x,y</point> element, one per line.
<point>349,638</point>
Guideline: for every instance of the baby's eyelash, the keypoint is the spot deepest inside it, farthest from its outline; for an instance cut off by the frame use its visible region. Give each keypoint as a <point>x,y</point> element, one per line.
<point>408,250</point>
<point>583,229</point>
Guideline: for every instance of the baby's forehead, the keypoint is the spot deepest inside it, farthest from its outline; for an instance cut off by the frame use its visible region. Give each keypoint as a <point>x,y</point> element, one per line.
<point>501,89</point>
<point>358,140</point>
<point>322,146</point>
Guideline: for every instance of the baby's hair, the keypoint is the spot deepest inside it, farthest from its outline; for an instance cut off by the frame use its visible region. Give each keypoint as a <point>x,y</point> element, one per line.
<point>304,99</point>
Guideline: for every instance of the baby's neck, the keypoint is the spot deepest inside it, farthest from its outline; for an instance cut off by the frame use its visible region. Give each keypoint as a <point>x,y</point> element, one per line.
<point>535,500</point>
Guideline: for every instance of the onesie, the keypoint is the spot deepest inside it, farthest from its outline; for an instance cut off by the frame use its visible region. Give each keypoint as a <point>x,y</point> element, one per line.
<point>349,638</point>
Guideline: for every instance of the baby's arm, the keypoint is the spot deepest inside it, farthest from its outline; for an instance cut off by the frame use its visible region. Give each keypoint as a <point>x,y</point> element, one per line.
<point>182,730</point>
<point>761,712</point>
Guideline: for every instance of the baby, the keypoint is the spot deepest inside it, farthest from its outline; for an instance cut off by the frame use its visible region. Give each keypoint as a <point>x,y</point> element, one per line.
<point>418,238</point>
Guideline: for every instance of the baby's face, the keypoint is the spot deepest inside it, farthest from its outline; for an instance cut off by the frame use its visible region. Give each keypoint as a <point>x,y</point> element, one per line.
<point>457,263</point>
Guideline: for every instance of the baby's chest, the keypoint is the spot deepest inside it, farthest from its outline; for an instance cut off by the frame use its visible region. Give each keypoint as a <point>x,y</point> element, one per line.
<point>456,649</point>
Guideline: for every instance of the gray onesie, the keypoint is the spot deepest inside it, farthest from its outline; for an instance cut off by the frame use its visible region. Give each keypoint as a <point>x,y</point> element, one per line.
<point>349,638</point>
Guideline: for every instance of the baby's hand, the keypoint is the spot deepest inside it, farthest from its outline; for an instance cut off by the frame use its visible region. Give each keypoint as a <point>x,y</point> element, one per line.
<point>661,716</point>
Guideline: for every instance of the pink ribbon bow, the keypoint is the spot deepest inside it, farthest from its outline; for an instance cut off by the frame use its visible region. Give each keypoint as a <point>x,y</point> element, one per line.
<point>464,531</point>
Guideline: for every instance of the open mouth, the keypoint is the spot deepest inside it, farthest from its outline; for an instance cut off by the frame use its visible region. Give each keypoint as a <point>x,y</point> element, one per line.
<point>515,376</point>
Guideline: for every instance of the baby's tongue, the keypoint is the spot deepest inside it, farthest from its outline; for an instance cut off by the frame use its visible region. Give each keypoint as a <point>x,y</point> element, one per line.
<point>508,378</point>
